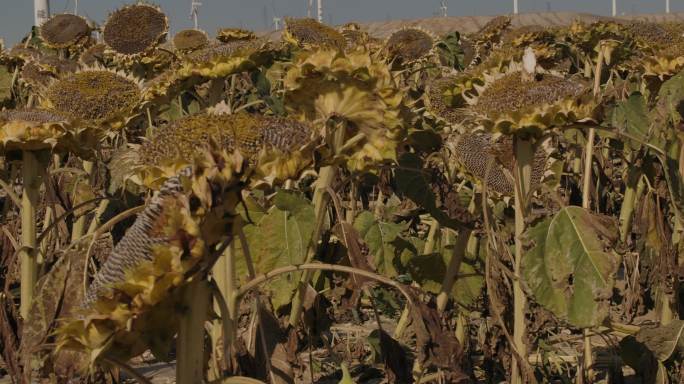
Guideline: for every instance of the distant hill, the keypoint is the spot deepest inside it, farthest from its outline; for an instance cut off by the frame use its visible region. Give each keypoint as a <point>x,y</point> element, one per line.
<point>470,24</point>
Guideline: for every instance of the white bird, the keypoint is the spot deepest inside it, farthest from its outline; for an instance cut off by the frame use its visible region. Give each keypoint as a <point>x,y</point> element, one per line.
<point>529,64</point>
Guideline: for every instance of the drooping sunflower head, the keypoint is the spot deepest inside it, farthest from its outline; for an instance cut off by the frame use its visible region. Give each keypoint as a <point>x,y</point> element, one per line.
<point>221,60</point>
<point>489,159</point>
<point>227,35</point>
<point>651,35</point>
<point>409,44</point>
<point>661,48</point>
<point>135,29</point>
<point>443,99</point>
<point>508,103</point>
<point>36,129</point>
<point>64,31</point>
<point>307,33</point>
<point>190,40</point>
<point>94,55</point>
<point>96,96</point>
<point>277,148</point>
<point>493,30</point>
<point>526,35</point>
<point>354,91</point>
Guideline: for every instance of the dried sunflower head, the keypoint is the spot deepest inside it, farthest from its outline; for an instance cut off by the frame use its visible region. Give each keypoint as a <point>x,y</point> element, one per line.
<point>190,40</point>
<point>493,30</point>
<point>488,157</point>
<point>135,30</point>
<point>95,55</point>
<point>132,304</point>
<point>221,60</point>
<point>276,148</point>
<point>409,45</point>
<point>34,76</point>
<point>64,31</point>
<point>308,33</point>
<point>661,49</point>
<point>35,129</point>
<point>96,96</point>
<point>227,35</point>
<point>509,104</point>
<point>353,90</point>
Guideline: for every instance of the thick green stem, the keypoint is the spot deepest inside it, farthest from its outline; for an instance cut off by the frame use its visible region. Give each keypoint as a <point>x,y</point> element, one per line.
<point>223,273</point>
<point>524,155</point>
<point>632,184</point>
<point>449,280</point>
<point>190,342</point>
<point>28,256</point>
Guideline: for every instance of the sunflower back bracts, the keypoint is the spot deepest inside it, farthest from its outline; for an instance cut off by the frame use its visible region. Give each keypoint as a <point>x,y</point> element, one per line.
<point>189,40</point>
<point>132,304</point>
<point>355,89</point>
<point>275,148</point>
<point>35,130</point>
<point>220,60</point>
<point>227,35</point>
<point>509,104</point>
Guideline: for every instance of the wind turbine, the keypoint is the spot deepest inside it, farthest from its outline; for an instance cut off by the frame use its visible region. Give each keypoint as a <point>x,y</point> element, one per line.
<point>320,11</point>
<point>515,7</point>
<point>194,12</point>
<point>614,8</point>
<point>76,7</point>
<point>443,7</point>
<point>667,6</point>
<point>41,11</point>
<point>309,8</point>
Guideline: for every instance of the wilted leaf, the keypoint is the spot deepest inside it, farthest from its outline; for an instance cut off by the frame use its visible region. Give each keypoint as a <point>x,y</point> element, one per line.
<point>568,269</point>
<point>651,347</point>
<point>412,183</point>
<point>389,352</point>
<point>279,238</point>
<point>278,349</point>
<point>436,347</point>
<point>384,240</point>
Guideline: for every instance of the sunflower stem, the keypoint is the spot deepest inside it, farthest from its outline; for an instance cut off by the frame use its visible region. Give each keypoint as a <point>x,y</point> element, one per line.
<point>325,180</point>
<point>524,157</point>
<point>449,280</point>
<point>225,277</point>
<point>190,342</point>
<point>79,226</point>
<point>634,188</point>
<point>28,258</point>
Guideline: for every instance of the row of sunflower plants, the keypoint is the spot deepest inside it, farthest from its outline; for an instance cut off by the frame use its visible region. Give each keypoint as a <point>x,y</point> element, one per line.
<point>321,205</point>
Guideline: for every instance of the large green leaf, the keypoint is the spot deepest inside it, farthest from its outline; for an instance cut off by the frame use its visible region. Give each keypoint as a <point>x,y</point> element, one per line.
<point>429,271</point>
<point>631,116</point>
<point>385,243</point>
<point>569,269</point>
<point>278,238</point>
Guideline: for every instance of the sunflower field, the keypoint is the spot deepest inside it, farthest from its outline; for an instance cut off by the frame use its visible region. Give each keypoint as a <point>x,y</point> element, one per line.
<point>318,205</point>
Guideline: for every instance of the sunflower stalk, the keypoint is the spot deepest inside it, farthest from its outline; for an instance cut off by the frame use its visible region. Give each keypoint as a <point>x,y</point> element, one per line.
<point>524,158</point>
<point>586,198</point>
<point>190,342</point>
<point>32,167</point>
<point>457,256</point>
<point>79,226</point>
<point>326,179</point>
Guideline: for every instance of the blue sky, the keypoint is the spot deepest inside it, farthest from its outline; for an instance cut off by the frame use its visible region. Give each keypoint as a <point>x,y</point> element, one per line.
<point>18,14</point>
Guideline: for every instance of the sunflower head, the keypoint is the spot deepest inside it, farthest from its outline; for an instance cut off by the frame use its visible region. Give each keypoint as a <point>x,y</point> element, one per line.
<point>64,31</point>
<point>276,148</point>
<point>227,35</point>
<point>95,55</point>
<point>353,91</point>
<point>221,60</point>
<point>190,40</point>
<point>133,303</point>
<point>510,104</point>
<point>135,30</point>
<point>96,96</point>
<point>489,159</point>
<point>307,33</point>
<point>662,48</point>
<point>35,129</point>
<point>493,30</point>
<point>409,44</point>
<point>529,34</point>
